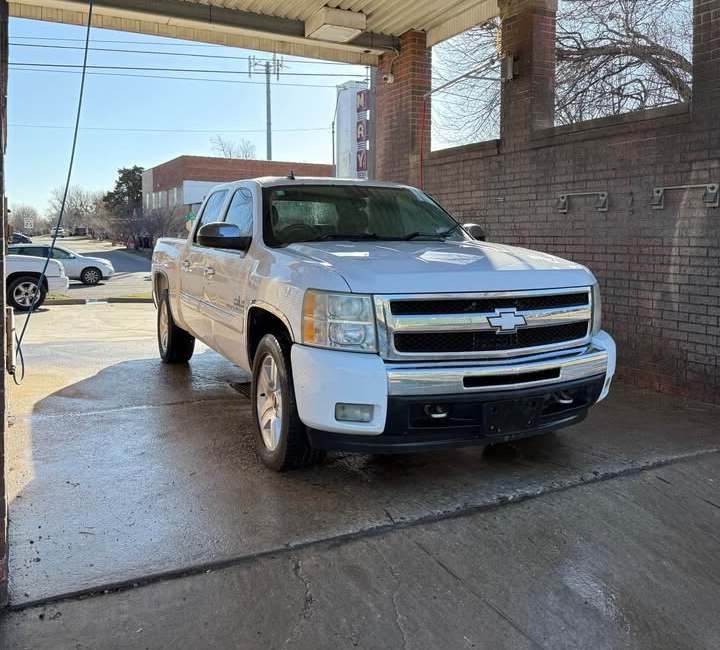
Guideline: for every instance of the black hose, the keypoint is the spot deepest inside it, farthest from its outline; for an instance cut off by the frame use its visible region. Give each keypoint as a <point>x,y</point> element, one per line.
<point>42,279</point>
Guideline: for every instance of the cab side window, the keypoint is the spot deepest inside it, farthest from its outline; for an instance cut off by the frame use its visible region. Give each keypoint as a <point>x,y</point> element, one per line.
<point>240,211</point>
<point>211,211</point>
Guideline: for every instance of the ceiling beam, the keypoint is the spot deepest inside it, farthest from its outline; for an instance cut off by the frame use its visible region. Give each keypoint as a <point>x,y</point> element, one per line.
<point>195,21</point>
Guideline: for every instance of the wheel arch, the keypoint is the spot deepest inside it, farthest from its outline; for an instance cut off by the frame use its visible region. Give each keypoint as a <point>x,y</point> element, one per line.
<point>262,320</point>
<point>25,274</point>
<point>160,283</point>
<point>91,266</point>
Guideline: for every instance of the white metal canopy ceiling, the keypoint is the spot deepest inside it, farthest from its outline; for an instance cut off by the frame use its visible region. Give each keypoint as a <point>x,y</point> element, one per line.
<point>270,25</point>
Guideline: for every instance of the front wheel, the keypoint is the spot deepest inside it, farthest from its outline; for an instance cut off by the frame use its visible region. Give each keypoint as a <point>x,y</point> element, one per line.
<point>280,436</point>
<point>24,294</point>
<point>91,276</point>
<point>175,344</point>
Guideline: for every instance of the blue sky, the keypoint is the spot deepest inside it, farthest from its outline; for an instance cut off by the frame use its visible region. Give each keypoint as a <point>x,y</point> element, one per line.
<point>37,156</point>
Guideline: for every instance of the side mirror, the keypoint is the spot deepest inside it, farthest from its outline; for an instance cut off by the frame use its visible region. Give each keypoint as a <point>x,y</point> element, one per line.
<point>222,235</point>
<point>475,230</point>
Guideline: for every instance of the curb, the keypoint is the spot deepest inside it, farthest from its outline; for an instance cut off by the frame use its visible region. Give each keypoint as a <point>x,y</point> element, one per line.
<point>93,301</point>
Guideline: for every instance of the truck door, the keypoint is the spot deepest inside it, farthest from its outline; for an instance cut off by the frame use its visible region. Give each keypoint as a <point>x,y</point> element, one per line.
<point>226,287</point>
<point>194,269</point>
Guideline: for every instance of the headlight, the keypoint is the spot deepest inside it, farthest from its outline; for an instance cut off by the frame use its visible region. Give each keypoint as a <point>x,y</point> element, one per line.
<point>344,321</point>
<point>596,309</point>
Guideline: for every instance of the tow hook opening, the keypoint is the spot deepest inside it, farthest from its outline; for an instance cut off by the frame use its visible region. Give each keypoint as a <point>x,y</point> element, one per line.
<point>436,411</point>
<point>563,397</point>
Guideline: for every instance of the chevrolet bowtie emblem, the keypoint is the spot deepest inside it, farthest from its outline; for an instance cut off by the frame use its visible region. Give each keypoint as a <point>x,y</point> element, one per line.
<point>506,321</point>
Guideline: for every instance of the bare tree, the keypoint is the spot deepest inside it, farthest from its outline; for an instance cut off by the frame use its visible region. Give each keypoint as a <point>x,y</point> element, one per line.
<point>18,215</point>
<point>80,206</point>
<point>228,149</point>
<point>613,56</point>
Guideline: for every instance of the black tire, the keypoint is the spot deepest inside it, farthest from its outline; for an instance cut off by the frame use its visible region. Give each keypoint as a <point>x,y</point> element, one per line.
<point>91,275</point>
<point>293,448</point>
<point>18,295</point>
<point>178,345</point>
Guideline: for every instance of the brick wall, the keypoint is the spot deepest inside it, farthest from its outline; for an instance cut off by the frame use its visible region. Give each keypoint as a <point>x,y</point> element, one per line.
<point>401,133</point>
<point>659,269</point>
<point>204,168</point>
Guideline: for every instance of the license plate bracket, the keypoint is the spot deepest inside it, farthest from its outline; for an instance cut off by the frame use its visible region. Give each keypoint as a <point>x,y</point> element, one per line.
<point>510,416</point>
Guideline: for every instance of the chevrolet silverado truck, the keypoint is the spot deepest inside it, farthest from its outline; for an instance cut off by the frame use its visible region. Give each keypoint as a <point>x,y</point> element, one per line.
<point>370,320</point>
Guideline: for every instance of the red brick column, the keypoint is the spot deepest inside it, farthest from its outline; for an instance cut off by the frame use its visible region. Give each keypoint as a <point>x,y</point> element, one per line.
<point>402,113</point>
<point>528,100</point>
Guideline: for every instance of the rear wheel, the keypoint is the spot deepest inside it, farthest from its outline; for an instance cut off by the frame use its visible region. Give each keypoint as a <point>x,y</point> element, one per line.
<point>23,293</point>
<point>175,344</point>
<point>280,436</point>
<point>91,275</point>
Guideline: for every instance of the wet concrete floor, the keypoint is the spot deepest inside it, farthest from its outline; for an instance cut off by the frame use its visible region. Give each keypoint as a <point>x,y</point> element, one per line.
<point>125,472</point>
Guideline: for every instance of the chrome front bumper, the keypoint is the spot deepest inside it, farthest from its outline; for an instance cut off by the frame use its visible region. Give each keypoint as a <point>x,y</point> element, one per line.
<point>455,379</point>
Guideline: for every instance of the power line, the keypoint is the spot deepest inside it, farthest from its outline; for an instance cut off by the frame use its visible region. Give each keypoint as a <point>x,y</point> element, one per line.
<point>169,41</point>
<point>178,78</point>
<point>185,54</point>
<point>138,130</point>
<point>129,67</point>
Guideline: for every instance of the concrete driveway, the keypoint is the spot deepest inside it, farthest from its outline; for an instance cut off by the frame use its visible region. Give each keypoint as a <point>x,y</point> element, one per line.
<point>139,517</point>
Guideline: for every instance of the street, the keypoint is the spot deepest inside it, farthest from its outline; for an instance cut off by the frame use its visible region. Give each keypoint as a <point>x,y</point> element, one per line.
<point>140,517</point>
<point>132,270</point>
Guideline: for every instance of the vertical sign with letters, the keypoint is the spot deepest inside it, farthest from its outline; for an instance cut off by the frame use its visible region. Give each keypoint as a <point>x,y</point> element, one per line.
<point>362,135</point>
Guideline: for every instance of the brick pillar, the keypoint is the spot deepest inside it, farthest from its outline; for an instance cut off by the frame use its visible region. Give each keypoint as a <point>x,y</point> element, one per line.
<point>400,135</point>
<point>528,100</point>
<point>706,59</point>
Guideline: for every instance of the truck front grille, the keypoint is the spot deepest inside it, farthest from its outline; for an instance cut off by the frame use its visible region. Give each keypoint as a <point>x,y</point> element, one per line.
<point>479,305</point>
<point>487,341</point>
<point>483,325</point>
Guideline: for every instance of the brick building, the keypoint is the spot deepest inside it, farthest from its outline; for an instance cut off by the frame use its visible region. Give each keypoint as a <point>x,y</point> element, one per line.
<point>181,183</point>
<point>659,268</point>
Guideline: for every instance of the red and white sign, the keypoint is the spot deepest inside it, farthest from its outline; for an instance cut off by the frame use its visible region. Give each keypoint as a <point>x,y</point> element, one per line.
<point>362,132</point>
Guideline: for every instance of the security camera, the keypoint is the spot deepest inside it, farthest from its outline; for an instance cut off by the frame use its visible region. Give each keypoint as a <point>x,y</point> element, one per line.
<point>388,77</point>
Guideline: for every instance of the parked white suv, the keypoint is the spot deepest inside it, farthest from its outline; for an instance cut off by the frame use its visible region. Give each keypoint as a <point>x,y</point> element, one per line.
<point>22,277</point>
<point>371,321</point>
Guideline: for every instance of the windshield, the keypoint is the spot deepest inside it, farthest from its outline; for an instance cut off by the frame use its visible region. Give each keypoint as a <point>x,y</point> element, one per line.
<point>307,213</point>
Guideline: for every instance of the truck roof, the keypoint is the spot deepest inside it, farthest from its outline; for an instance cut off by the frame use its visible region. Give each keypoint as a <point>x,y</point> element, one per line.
<point>272,181</point>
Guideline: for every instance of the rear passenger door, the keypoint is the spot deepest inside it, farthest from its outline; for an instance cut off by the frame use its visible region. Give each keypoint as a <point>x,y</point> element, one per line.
<point>227,287</point>
<point>194,269</point>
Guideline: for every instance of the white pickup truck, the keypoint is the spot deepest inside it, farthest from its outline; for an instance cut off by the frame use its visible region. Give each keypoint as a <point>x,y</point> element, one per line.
<point>372,321</point>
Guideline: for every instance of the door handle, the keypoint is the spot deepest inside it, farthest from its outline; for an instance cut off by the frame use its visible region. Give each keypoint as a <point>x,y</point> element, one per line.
<point>209,271</point>
<point>186,265</point>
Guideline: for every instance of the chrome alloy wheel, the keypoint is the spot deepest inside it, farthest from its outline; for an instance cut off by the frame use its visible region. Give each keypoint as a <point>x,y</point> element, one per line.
<point>92,276</point>
<point>26,294</point>
<point>268,402</point>
<point>163,326</point>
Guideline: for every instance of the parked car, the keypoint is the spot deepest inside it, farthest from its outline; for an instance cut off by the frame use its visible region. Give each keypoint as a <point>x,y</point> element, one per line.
<point>22,276</point>
<point>89,270</point>
<point>371,321</point>
<point>19,238</point>
<point>60,232</point>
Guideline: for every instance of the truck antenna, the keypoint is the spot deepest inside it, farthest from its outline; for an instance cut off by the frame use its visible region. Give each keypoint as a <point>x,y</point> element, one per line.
<point>291,175</point>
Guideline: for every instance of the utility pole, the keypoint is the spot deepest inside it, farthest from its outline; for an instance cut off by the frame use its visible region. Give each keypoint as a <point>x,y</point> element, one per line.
<point>272,66</point>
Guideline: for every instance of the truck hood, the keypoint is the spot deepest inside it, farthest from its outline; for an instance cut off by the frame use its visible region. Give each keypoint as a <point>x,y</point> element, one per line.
<point>447,266</point>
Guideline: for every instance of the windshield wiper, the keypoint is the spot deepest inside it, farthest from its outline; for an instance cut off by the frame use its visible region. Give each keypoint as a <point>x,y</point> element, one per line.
<point>348,235</point>
<point>432,235</point>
